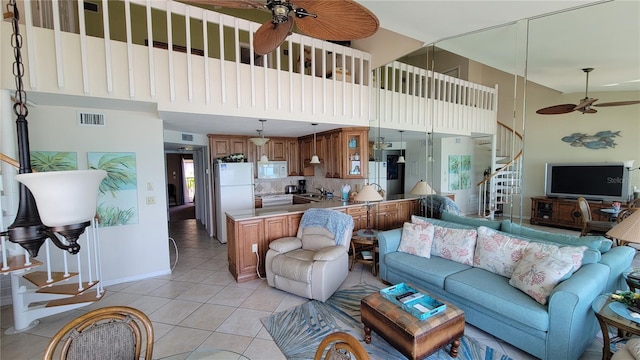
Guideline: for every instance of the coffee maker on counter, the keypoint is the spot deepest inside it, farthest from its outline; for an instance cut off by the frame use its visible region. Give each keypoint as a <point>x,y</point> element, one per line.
<point>302,186</point>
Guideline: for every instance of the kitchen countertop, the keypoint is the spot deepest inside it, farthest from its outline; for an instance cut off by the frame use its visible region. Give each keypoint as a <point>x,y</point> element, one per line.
<point>334,202</point>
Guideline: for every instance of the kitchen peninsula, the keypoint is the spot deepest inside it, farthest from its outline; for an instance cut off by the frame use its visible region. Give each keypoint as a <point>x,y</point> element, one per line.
<point>261,226</point>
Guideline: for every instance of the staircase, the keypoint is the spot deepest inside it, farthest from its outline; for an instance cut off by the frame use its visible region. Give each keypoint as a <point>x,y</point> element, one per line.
<point>38,291</point>
<point>504,180</point>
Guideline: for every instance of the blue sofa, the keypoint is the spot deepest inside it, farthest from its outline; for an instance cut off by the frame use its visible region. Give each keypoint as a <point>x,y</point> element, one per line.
<point>561,329</point>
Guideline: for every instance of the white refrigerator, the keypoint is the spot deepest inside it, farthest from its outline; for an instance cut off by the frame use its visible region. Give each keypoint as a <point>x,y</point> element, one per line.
<point>233,184</point>
<point>378,174</point>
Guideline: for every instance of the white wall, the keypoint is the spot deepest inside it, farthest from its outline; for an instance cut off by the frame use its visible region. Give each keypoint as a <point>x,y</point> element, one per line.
<point>465,199</point>
<point>129,252</point>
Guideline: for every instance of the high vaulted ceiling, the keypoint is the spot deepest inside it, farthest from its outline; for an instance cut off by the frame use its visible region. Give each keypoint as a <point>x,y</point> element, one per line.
<point>600,34</point>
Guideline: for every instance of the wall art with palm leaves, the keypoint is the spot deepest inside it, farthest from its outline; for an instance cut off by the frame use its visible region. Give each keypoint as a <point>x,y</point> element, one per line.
<point>118,192</point>
<point>42,161</point>
<point>459,172</point>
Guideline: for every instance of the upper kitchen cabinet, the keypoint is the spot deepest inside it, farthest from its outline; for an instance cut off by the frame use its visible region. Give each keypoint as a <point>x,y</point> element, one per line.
<point>333,154</point>
<point>225,145</point>
<point>293,157</point>
<point>343,153</point>
<point>355,154</point>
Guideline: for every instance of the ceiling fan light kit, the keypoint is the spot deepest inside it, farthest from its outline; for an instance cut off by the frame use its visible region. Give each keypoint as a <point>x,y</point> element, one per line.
<point>585,104</point>
<point>335,20</point>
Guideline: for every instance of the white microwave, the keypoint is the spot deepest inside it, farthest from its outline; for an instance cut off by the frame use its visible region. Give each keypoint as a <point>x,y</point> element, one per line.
<point>273,170</point>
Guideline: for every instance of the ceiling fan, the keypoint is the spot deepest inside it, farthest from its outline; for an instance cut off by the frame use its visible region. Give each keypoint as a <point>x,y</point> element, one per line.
<point>585,105</point>
<point>322,19</point>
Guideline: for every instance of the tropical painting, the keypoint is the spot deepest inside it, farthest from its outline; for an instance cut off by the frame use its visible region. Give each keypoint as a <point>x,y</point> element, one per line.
<point>459,172</point>
<point>118,192</point>
<point>42,161</point>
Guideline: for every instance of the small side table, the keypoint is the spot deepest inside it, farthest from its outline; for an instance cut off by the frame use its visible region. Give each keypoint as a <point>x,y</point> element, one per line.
<point>360,242</point>
<point>607,317</point>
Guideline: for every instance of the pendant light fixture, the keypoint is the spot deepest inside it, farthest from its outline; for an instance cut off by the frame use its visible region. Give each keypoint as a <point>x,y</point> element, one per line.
<point>314,158</point>
<point>260,140</point>
<point>401,158</point>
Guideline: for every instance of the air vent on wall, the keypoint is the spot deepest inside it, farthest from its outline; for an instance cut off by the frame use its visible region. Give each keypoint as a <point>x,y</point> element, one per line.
<point>90,119</point>
<point>89,6</point>
<point>187,137</point>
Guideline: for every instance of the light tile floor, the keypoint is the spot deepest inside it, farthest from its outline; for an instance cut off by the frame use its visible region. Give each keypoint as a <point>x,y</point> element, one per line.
<point>200,306</point>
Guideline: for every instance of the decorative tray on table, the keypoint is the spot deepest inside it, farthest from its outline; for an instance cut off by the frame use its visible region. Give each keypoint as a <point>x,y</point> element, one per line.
<point>413,301</point>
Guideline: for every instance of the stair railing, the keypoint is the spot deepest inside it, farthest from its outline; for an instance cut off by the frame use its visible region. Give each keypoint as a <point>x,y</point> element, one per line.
<point>503,182</point>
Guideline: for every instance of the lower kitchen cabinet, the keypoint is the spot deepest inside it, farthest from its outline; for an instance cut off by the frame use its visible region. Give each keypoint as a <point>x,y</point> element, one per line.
<point>242,234</point>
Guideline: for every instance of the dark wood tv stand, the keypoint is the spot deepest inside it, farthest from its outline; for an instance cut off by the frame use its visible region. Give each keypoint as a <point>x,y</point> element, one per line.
<point>563,212</point>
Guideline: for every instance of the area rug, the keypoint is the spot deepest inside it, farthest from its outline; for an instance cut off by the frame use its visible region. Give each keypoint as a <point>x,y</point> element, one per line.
<point>299,330</point>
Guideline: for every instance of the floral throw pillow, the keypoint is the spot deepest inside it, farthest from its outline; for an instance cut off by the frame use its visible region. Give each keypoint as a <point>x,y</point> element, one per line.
<point>537,277</point>
<point>416,239</point>
<point>454,244</point>
<point>497,252</point>
<point>570,254</point>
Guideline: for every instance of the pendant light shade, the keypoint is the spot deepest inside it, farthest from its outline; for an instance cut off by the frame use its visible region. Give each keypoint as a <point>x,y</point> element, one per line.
<point>401,158</point>
<point>314,158</point>
<point>261,140</point>
<point>64,197</point>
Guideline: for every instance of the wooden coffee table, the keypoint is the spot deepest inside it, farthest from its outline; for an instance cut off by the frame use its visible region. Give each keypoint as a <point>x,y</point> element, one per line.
<point>413,337</point>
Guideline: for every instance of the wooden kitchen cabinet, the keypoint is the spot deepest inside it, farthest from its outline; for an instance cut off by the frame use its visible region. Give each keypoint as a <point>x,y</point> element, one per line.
<point>224,145</point>
<point>293,157</point>
<point>242,234</point>
<point>386,216</point>
<point>306,152</point>
<point>333,155</point>
<point>355,157</point>
<point>242,262</point>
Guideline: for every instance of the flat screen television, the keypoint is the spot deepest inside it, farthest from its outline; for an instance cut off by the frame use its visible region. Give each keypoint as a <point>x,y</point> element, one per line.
<point>593,181</point>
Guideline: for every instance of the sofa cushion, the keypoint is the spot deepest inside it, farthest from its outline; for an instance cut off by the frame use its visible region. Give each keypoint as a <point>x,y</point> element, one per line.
<point>569,254</point>
<point>599,243</point>
<point>294,265</point>
<point>498,252</point>
<point>492,292</point>
<point>538,273</point>
<point>454,244</point>
<point>448,224</point>
<point>433,271</point>
<point>492,224</point>
<point>417,239</point>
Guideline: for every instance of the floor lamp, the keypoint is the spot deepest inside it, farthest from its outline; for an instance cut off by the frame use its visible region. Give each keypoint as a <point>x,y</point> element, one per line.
<point>368,194</point>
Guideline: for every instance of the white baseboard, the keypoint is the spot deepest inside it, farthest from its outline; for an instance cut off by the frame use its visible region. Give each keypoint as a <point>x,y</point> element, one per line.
<point>136,278</point>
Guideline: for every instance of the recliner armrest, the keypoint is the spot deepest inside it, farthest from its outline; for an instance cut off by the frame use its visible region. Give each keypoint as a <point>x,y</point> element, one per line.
<point>329,253</point>
<point>286,244</point>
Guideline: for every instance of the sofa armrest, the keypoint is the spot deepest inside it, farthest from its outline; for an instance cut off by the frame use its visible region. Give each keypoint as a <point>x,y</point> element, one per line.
<point>329,253</point>
<point>572,322</point>
<point>286,244</point>
<point>388,242</point>
<point>618,259</point>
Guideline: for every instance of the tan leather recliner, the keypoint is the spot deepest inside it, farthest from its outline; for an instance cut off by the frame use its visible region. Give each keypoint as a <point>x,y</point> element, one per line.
<point>312,264</point>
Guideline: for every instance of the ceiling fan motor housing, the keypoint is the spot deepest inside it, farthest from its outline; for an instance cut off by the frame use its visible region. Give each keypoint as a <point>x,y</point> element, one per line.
<point>280,10</point>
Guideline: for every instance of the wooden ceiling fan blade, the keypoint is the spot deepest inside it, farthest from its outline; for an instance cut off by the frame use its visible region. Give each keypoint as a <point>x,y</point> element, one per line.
<point>235,4</point>
<point>557,109</point>
<point>619,103</point>
<point>585,104</point>
<point>336,19</point>
<point>270,36</point>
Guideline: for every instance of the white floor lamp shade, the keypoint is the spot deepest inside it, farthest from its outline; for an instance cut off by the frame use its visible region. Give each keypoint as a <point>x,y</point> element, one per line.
<point>64,197</point>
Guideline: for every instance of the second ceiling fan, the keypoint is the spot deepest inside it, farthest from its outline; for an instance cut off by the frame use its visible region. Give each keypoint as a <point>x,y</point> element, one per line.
<point>585,105</point>
<point>334,20</point>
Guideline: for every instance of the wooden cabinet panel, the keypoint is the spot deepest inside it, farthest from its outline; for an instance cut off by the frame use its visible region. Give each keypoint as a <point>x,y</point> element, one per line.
<point>359,215</point>
<point>224,145</point>
<point>242,263</point>
<point>277,149</point>
<point>293,157</point>
<point>306,151</point>
<point>355,157</point>
<point>386,216</point>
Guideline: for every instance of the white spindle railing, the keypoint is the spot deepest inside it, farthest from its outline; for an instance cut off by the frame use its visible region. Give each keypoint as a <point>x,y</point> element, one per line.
<point>412,98</point>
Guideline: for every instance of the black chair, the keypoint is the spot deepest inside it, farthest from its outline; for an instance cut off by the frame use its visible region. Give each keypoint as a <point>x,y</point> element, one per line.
<point>171,189</point>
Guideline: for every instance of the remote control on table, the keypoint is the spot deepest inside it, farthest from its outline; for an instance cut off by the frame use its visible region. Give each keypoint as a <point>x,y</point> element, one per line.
<point>411,297</point>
